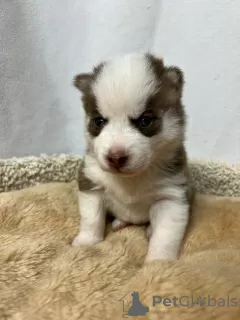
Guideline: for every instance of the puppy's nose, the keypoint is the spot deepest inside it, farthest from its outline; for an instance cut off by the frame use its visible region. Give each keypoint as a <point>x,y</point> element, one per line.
<point>117,158</point>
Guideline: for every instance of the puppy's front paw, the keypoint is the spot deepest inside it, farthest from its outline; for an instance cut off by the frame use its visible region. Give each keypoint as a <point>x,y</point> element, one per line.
<point>161,255</point>
<point>86,239</point>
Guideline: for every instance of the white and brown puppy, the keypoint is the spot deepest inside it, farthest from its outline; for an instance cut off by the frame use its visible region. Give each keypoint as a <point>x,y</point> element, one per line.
<point>135,164</point>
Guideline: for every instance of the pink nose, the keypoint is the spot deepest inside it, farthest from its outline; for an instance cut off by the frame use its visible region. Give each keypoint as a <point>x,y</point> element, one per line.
<point>117,158</point>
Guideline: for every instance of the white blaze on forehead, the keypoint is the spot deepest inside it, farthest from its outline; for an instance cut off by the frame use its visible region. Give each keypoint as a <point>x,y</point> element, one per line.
<point>124,85</point>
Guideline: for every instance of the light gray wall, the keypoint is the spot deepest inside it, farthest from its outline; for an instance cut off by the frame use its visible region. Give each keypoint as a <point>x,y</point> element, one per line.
<point>43,44</point>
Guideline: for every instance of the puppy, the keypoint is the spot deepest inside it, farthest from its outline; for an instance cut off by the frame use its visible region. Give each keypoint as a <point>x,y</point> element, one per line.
<point>135,163</point>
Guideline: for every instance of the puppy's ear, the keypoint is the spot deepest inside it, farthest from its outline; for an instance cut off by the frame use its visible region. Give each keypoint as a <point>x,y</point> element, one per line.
<point>175,77</point>
<point>173,81</point>
<point>82,81</point>
<point>157,64</point>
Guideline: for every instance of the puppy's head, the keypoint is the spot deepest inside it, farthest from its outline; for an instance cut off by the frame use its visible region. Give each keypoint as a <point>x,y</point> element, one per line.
<point>134,114</point>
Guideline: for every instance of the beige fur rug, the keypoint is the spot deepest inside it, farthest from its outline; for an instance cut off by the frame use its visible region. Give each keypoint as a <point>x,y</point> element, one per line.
<point>43,277</point>
<point>211,177</point>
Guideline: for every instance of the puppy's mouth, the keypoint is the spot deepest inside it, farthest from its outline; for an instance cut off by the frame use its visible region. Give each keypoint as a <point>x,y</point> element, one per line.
<point>122,172</point>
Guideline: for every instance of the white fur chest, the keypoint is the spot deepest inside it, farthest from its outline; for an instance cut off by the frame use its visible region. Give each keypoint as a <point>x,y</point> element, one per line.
<point>128,199</point>
<point>128,205</point>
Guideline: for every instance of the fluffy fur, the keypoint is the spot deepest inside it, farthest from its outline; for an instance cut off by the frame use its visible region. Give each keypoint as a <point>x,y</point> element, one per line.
<point>135,163</point>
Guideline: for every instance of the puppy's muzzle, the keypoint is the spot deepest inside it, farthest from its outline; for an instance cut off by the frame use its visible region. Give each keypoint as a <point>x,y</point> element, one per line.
<point>117,158</point>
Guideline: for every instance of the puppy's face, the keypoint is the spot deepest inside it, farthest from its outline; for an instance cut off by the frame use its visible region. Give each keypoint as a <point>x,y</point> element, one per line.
<point>133,112</point>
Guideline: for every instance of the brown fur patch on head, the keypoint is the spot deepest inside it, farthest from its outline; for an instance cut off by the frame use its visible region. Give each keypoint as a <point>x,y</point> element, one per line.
<point>167,98</point>
<point>171,79</point>
<point>84,82</point>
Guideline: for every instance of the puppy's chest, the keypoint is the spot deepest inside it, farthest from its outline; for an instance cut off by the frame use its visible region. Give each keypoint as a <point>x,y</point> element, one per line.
<point>129,204</point>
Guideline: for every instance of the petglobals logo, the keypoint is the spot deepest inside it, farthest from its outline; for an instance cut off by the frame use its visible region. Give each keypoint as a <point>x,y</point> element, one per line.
<point>201,301</point>
<point>132,305</point>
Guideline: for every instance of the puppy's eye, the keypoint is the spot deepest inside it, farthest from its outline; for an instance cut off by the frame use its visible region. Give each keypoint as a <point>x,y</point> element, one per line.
<point>100,122</point>
<point>145,121</point>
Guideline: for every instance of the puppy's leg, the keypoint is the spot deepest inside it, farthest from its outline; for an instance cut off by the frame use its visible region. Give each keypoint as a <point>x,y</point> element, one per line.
<point>169,220</point>
<point>93,217</point>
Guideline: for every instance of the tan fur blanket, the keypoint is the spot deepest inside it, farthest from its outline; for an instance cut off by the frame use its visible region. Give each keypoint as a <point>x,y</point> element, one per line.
<point>43,277</point>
